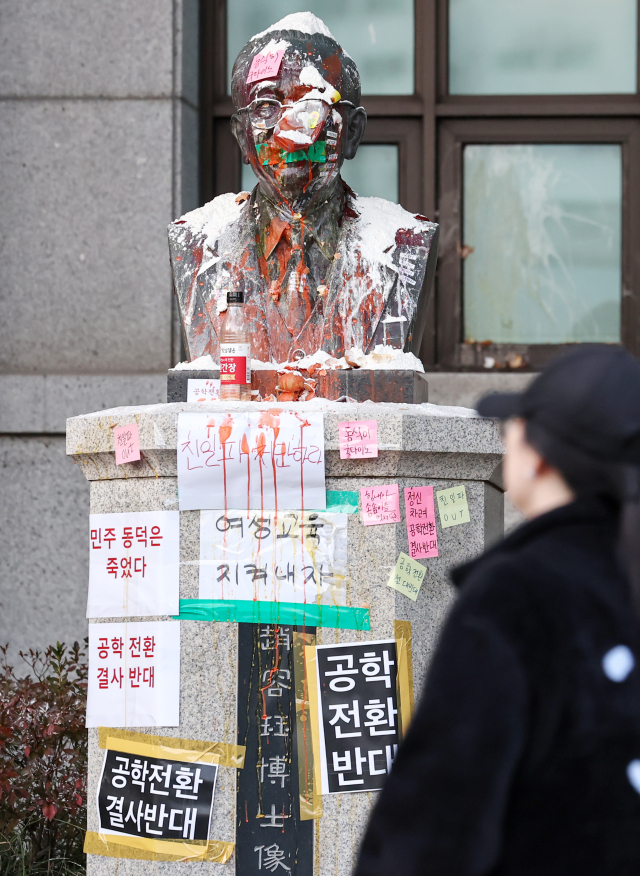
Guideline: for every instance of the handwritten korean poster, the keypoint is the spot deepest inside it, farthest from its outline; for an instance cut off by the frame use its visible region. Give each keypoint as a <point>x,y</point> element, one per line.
<point>134,564</point>
<point>268,459</point>
<point>380,504</point>
<point>202,390</point>
<point>134,674</point>
<point>407,577</point>
<point>453,506</point>
<point>285,557</point>
<point>358,439</point>
<point>126,441</point>
<point>421,522</point>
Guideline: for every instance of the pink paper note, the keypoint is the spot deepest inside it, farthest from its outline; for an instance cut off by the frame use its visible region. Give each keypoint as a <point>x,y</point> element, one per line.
<point>127,443</point>
<point>380,504</point>
<point>421,522</point>
<point>265,65</point>
<point>358,439</point>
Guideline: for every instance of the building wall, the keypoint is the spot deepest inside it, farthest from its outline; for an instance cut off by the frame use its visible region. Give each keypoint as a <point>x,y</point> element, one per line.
<point>99,144</point>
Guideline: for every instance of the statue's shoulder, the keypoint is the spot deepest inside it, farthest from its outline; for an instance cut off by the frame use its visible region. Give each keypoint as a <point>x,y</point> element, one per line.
<point>210,221</point>
<point>386,219</point>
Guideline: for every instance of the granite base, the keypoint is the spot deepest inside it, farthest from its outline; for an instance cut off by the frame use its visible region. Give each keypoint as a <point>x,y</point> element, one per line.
<point>419,445</point>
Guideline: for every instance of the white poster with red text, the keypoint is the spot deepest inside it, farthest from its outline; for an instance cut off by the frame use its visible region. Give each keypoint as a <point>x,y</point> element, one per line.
<point>268,459</point>
<point>134,565</point>
<point>134,674</point>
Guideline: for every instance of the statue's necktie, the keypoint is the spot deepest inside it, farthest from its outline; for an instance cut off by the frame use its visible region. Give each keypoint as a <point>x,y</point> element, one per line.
<point>295,301</point>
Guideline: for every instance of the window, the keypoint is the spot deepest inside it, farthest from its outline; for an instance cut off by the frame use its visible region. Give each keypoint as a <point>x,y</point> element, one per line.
<point>516,126</point>
<point>542,47</point>
<point>545,222</point>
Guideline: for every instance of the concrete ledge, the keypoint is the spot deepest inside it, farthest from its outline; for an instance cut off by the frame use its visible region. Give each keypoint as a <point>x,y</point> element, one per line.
<point>465,389</point>
<point>41,403</point>
<point>414,440</point>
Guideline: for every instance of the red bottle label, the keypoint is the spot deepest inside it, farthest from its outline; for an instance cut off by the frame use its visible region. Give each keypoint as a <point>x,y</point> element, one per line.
<point>235,364</point>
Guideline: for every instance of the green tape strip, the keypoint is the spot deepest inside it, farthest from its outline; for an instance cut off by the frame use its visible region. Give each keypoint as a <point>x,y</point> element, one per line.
<point>316,152</point>
<point>341,617</point>
<point>342,501</point>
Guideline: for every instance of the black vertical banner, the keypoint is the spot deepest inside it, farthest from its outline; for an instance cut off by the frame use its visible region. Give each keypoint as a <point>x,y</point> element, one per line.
<point>269,834</point>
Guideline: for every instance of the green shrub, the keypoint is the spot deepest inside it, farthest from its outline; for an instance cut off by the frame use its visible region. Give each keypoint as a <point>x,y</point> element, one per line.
<point>43,762</point>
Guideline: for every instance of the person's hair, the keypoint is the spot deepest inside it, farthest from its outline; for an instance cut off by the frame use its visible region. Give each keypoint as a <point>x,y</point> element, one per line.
<point>618,484</point>
<point>321,45</point>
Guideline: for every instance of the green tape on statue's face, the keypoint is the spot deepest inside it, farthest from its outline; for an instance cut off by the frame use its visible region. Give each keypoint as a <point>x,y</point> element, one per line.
<point>269,154</point>
<point>341,617</point>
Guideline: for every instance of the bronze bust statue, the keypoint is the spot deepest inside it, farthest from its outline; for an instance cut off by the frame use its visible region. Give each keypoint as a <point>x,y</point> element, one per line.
<point>320,267</point>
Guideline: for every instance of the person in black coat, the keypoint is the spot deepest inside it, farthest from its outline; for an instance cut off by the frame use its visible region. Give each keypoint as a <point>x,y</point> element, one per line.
<point>523,756</point>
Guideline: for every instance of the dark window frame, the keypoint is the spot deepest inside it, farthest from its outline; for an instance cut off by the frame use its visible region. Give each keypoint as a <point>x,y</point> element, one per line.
<point>425,126</point>
<point>453,352</point>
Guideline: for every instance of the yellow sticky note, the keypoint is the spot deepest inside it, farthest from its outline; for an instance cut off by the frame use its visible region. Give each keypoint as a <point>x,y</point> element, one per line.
<point>453,506</point>
<point>407,577</point>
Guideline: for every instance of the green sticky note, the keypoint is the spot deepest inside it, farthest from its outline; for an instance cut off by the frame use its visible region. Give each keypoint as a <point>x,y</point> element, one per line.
<point>453,506</point>
<point>342,501</point>
<point>407,577</point>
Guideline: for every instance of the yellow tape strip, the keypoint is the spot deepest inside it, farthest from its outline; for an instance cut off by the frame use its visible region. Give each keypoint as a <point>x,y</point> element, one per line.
<point>402,635</point>
<point>310,797</point>
<point>147,849</point>
<point>314,715</point>
<point>187,750</point>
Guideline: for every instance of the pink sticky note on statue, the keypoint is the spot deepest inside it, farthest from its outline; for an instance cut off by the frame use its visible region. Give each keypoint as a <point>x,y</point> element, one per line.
<point>358,439</point>
<point>265,65</point>
<point>421,522</point>
<point>380,504</point>
<point>127,443</point>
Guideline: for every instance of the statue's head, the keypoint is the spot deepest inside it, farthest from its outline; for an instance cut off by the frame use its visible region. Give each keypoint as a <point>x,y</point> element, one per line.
<point>298,117</point>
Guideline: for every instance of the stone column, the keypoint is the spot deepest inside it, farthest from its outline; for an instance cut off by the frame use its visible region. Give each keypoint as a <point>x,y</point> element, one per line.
<point>418,445</point>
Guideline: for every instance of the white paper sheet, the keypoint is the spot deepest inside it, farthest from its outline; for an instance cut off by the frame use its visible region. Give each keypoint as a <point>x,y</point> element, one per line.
<point>202,390</point>
<point>134,674</point>
<point>134,564</point>
<point>267,459</point>
<point>285,557</point>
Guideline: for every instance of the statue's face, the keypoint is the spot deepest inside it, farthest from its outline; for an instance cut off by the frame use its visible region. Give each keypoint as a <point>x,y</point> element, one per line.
<point>297,148</point>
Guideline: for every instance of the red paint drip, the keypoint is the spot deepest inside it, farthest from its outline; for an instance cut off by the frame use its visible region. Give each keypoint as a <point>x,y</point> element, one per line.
<point>303,422</point>
<point>225,433</point>
<point>244,448</point>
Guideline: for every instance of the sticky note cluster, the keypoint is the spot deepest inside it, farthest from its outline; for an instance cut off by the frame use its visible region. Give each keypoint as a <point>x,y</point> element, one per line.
<point>453,506</point>
<point>407,577</point>
<point>358,439</point>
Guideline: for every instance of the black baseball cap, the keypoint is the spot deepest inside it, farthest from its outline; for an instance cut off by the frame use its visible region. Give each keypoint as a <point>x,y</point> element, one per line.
<point>588,398</point>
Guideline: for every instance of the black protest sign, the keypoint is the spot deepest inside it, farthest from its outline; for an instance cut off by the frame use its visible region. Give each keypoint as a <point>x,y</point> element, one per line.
<point>151,797</point>
<point>270,835</point>
<point>358,706</point>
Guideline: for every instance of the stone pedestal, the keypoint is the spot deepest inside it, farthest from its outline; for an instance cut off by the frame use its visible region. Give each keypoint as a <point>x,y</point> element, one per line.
<point>419,445</point>
<point>357,384</point>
